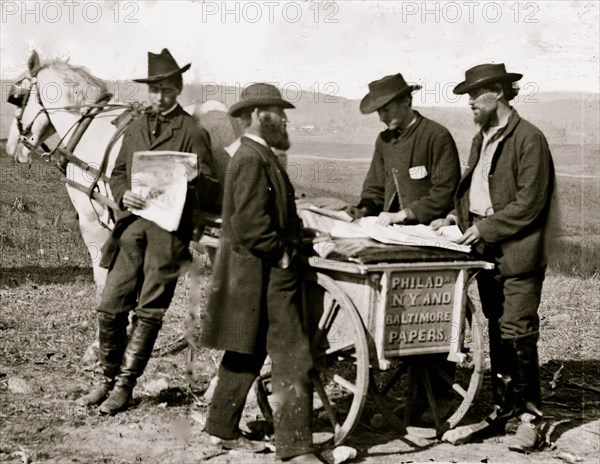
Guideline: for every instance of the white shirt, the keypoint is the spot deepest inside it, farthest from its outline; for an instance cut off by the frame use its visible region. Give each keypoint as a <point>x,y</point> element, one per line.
<point>480,202</point>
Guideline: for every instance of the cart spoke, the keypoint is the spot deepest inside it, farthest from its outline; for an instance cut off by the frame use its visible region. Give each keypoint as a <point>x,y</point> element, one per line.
<point>346,384</point>
<point>326,404</point>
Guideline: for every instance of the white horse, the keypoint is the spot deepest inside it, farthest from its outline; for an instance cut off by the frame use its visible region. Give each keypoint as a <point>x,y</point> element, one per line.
<point>51,98</point>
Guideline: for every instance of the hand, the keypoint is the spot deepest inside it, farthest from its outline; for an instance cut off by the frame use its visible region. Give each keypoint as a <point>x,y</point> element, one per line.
<point>310,236</point>
<point>470,237</point>
<point>448,221</point>
<point>285,261</point>
<point>385,219</point>
<point>356,212</point>
<point>133,200</point>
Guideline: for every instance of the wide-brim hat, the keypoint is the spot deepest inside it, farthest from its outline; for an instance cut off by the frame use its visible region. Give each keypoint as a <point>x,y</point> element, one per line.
<point>162,66</point>
<point>484,74</point>
<point>384,91</point>
<point>259,94</point>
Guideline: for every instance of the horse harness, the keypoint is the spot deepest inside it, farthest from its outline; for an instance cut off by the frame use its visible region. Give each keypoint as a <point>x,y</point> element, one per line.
<point>66,155</point>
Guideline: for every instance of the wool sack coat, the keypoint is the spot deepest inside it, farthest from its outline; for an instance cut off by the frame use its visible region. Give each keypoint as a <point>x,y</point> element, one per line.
<point>522,190</point>
<point>260,223</point>
<point>418,170</point>
<point>182,133</point>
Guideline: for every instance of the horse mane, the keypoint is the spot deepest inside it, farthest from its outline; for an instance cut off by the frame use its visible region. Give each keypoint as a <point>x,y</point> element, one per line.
<point>89,87</point>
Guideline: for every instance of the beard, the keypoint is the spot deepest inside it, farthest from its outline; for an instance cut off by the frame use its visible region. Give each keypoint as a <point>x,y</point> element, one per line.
<point>274,133</point>
<point>484,118</point>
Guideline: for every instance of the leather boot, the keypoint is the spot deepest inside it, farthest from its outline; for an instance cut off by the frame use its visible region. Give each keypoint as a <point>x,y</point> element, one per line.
<point>502,360</point>
<point>136,356</point>
<point>528,397</point>
<point>112,341</point>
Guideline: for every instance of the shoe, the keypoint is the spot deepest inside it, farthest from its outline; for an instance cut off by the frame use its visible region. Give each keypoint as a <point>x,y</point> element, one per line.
<point>304,459</point>
<point>529,434</point>
<point>240,443</point>
<point>117,401</point>
<point>97,395</point>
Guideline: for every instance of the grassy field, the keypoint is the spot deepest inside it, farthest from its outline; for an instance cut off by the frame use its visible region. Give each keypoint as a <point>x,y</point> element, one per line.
<point>47,320</point>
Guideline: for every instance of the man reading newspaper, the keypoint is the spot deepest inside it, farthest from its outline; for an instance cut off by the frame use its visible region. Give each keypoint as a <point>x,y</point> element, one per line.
<point>143,258</point>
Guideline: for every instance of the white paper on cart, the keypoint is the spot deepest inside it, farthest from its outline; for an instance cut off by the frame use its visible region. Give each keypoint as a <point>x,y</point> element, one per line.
<point>161,178</point>
<point>333,227</point>
<point>417,235</point>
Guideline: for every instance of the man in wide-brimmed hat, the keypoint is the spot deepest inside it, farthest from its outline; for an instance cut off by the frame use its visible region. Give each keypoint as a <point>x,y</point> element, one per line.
<point>144,260</point>
<point>504,205</point>
<point>253,308</point>
<point>415,166</point>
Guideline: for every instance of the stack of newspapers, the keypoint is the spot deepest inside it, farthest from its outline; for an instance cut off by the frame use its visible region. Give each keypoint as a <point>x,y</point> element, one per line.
<point>338,224</point>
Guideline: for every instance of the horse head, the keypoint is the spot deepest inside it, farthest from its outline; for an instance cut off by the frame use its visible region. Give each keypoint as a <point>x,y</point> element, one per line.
<point>50,97</point>
<point>31,125</point>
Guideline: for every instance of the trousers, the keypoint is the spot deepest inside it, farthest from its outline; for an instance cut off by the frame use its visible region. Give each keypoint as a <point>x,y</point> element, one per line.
<point>144,272</point>
<point>287,344</point>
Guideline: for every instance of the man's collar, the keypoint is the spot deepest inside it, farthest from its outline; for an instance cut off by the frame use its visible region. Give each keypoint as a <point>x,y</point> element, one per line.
<point>170,110</point>
<point>491,131</point>
<point>258,139</point>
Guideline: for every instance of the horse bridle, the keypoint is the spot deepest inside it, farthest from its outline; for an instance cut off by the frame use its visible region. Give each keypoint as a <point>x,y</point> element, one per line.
<point>20,102</point>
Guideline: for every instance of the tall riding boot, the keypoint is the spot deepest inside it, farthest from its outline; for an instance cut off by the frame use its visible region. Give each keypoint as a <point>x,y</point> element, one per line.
<point>135,359</point>
<point>528,396</point>
<point>502,360</point>
<point>113,339</point>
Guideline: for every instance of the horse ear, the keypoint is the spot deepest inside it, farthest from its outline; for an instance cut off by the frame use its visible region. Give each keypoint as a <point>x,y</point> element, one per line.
<point>34,63</point>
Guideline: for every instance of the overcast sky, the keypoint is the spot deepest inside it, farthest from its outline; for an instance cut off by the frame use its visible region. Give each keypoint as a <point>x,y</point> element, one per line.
<point>334,48</point>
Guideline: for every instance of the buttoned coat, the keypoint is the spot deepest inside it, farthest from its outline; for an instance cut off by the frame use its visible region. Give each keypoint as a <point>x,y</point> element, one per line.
<point>420,169</point>
<point>181,134</point>
<point>260,223</point>
<point>522,190</point>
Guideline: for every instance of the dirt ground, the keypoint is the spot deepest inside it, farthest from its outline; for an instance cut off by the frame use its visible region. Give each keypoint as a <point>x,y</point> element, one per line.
<point>47,320</point>
<point>41,375</point>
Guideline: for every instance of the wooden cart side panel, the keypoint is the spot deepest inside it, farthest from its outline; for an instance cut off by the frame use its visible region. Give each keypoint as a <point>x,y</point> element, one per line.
<point>458,318</point>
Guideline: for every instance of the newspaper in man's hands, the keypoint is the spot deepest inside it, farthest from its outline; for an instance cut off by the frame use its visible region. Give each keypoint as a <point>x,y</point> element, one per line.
<point>161,178</point>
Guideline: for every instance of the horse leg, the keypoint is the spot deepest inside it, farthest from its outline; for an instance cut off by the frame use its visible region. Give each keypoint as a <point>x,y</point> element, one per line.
<point>94,236</point>
<point>93,233</point>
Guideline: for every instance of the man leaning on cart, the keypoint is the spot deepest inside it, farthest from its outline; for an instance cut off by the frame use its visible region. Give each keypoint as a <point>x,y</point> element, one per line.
<point>412,178</point>
<point>504,207</point>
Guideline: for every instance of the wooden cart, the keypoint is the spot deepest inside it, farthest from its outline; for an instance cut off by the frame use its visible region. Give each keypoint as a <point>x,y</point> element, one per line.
<point>384,330</point>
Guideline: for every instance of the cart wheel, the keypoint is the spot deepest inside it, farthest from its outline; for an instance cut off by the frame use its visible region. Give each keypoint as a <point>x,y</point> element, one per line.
<point>341,360</point>
<point>430,398</point>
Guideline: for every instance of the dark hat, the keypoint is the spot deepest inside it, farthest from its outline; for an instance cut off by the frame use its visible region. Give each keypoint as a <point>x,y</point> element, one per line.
<point>385,90</point>
<point>161,67</point>
<point>260,94</point>
<point>483,74</point>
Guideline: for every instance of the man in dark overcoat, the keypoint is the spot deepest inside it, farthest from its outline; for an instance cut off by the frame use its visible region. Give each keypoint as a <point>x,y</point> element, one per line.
<point>253,308</point>
<point>415,167</point>
<point>144,260</point>
<point>505,207</point>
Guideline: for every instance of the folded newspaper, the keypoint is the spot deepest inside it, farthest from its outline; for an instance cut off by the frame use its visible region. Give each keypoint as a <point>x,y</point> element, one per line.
<point>161,178</point>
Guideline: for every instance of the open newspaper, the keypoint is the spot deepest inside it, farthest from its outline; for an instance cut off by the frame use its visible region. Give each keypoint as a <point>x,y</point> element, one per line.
<point>416,235</point>
<point>161,178</point>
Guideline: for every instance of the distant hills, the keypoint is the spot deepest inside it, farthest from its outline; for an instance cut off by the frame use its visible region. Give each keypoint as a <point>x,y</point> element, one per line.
<point>565,117</point>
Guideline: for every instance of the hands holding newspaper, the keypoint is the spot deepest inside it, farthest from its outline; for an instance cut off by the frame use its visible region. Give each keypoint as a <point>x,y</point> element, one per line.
<point>133,200</point>
<point>470,237</point>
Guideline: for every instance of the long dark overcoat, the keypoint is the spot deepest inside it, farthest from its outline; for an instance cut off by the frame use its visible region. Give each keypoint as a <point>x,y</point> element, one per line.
<point>259,223</point>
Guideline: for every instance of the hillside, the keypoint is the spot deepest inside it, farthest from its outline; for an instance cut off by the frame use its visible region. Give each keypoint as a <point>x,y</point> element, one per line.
<point>565,117</point>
